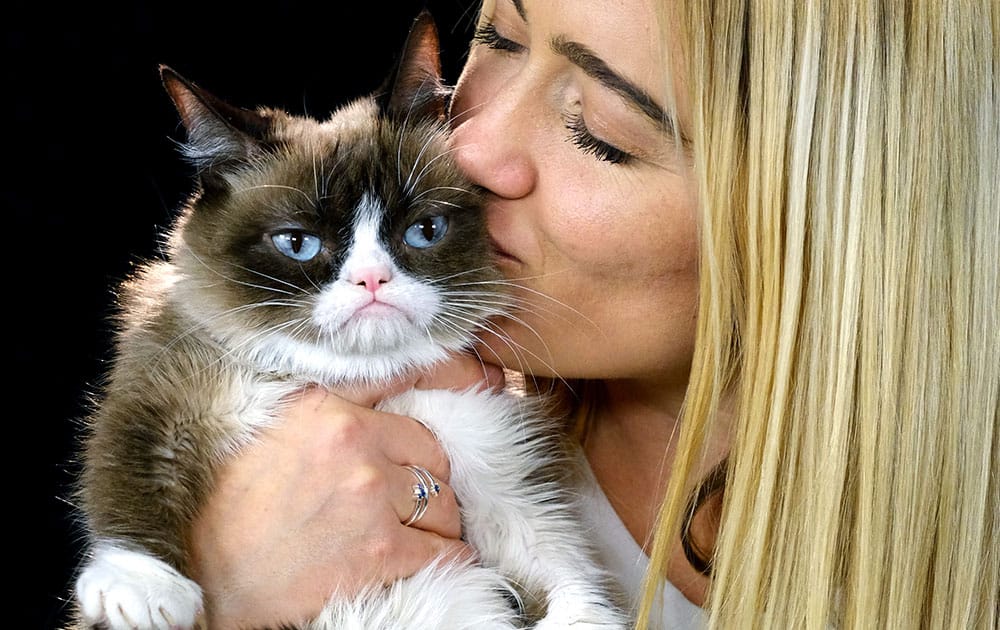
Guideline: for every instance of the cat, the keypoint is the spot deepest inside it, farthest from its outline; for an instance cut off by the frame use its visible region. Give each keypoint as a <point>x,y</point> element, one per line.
<point>294,225</point>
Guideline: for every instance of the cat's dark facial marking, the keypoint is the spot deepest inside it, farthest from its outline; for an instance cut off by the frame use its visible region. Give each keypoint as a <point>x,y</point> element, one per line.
<point>353,243</point>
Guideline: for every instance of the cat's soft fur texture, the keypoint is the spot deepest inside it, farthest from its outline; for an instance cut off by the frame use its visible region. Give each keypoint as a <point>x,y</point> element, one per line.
<point>267,285</point>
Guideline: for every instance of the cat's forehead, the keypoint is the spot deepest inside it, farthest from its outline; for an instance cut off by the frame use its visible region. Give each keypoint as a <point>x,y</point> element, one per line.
<point>359,146</point>
<point>350,127</point>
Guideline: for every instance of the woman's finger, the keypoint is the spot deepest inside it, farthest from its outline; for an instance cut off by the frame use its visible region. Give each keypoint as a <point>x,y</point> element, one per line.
<point>425,502</point>
<point>462,372</point>
<point>416,546</point>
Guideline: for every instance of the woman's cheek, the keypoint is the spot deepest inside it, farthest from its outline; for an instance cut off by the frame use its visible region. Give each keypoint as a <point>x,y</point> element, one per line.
<point>593,232</point>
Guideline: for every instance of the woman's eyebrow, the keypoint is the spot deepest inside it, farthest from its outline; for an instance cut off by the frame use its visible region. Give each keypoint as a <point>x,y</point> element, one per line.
<point>596,68</point>
<point>519,7</point>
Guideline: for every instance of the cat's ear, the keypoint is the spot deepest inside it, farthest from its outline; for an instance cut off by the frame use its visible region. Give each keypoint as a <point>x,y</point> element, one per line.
<point>217,132</point>
<point>415,89</point>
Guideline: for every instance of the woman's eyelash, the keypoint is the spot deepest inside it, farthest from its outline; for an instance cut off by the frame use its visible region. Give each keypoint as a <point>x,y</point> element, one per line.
<point>582,138</point>
<point>486,33</point>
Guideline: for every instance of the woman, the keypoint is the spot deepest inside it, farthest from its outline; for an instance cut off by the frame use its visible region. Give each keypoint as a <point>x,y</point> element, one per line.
<point>767,235</point>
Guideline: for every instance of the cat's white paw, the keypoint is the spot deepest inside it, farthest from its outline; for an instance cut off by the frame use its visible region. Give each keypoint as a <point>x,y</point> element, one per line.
<point>583,614</point>
<point>582,621</point>
<point>128,590</point>
<point>442,596</point>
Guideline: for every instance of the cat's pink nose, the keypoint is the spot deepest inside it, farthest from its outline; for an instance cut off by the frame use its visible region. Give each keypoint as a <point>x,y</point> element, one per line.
<point>371,277</point>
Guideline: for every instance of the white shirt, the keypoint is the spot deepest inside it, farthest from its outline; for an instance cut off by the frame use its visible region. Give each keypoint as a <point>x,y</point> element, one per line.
<point>627,562</point>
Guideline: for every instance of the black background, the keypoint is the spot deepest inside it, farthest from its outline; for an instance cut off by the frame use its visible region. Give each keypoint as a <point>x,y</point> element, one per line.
<point>93,175</point>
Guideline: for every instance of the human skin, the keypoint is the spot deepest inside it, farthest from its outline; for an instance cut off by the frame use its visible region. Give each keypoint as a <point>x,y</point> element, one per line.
<point>611,246</point>
<point>605,255</point>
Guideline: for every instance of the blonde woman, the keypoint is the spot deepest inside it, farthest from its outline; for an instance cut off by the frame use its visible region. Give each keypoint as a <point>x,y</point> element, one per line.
<point>773,230</point>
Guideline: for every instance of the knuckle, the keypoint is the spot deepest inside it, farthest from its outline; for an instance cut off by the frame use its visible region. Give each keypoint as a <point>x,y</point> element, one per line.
<point>384,548</point>
<point>346,431</point>
<point>367,480</point>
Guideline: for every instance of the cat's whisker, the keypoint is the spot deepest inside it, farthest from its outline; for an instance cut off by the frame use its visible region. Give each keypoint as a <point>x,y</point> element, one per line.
<point>492,327</point>
<point>513,300</point>
<point>461,332</point>
<point>203,324</point>
<point>333,169</point>
<point>528,308</point>
<point>496,306</point>
<point>514,283</point>
<point>483,311</point>
<point>297,330</point>
<point>240,282</point>
<point>399,147</point>
<point>253,271</point>
<point>236,347</point>
<point>520,353</point>
<point>530,329</point>
<point>430,190</point>
<point>310,280</point>
<point>482,363</point>
<point>408,187</point>
<point>301,290</point>
<point>457,274</point>
<point>453,118</point>
<point>427,142</point>
<point>253,338</point>
<point>514,350</point>
<point>316,175</point>
<point>441,202</point>
<point>406,122</point>
<point>277,186</point>
<point>399,159</point>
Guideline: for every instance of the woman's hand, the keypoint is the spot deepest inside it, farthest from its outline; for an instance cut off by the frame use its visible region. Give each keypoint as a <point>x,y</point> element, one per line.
<point>316,506</point>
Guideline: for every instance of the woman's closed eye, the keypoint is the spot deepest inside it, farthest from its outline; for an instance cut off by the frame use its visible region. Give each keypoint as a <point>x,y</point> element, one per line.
<point>487,35</point>
<point>588,143</point>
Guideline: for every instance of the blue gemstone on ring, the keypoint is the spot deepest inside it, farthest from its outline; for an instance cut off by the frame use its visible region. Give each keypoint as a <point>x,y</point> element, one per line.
<point>420,491</point>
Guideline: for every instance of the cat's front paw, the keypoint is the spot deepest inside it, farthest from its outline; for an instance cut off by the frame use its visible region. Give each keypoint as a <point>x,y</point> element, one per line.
<point>583,622</point>
<point>583,615</point>
<point>128,590</point>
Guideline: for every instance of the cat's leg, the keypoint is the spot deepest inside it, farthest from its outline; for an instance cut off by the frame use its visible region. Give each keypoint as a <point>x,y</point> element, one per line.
<point>442,596</point>
<point>509,472</point>
<point>538,539</point>
<point>129,590</point>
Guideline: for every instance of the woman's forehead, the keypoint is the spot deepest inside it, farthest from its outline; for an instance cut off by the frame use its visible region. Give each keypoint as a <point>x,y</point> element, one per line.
<point>630,37</point>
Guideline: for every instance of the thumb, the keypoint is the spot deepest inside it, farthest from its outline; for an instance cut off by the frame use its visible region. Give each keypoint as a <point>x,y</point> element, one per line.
<point>370,393</point>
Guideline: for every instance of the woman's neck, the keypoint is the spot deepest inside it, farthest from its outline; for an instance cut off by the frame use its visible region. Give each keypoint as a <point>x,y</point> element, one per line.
<point>631,447</point>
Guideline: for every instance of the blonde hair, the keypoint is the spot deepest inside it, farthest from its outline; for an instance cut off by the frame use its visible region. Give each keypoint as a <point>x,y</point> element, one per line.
<point>847,154</point>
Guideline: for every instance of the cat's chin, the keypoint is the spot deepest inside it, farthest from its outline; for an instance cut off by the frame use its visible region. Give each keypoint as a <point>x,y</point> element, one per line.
<point>339,362</point>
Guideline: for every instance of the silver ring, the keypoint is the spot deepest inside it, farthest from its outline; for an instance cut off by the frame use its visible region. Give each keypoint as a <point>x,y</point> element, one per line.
<point>425,488</point>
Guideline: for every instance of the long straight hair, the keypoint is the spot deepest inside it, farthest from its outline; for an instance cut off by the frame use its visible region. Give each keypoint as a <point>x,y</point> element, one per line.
<point>847,155</point>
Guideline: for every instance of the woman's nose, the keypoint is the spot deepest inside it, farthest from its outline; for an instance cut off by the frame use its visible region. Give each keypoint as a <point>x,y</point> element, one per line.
<point>492,144</point>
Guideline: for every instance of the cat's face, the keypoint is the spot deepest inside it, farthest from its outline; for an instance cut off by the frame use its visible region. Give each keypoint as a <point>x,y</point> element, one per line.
<point>351,248</point>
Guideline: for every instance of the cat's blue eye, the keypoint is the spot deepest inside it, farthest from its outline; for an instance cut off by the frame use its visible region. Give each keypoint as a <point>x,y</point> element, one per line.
<point>297,245</point>
<point>426,232</point>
